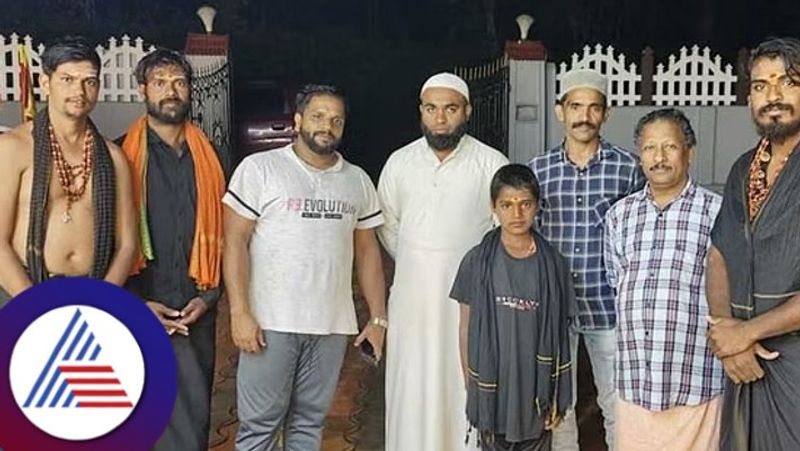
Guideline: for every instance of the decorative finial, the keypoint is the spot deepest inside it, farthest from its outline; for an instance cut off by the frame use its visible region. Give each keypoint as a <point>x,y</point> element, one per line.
<point>524,23</point>
<point>206,14</point>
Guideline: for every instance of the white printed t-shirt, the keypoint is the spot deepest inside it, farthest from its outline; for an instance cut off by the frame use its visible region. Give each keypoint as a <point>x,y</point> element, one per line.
<point>301,251</point>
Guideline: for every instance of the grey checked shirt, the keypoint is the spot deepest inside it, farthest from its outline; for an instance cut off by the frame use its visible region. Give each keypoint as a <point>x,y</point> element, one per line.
<point>656,260</point>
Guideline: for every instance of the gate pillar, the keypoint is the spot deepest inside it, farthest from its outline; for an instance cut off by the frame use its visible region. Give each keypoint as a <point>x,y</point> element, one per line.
<point>528,102</point>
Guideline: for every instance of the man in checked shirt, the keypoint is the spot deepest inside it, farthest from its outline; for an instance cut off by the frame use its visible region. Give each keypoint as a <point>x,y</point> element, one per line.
<point>580,180</point>
<point>668,381</point>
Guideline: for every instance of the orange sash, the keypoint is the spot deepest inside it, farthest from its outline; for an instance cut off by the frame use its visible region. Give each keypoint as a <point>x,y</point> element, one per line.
<point>206,257</point>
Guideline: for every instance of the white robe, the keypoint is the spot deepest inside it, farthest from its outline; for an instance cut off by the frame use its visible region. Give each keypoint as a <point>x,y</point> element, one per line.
<point>435,212</point>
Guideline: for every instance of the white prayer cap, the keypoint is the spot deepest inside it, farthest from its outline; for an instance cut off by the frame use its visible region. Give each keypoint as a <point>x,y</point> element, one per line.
<point>449,81</point>
<point>583,78</point>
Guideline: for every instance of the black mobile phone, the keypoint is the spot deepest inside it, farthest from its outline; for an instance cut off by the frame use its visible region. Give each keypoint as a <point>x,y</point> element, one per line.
<point>368,352</point>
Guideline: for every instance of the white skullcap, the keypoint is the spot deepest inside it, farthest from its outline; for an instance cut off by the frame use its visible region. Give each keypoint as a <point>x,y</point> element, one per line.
<point>449,81</point>
<point>583,78</point>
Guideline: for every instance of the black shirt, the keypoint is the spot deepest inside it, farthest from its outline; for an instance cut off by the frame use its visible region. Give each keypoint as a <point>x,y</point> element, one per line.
<point>171,208</point>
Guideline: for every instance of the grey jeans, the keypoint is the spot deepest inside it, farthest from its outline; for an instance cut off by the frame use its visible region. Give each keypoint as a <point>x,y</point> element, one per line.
<point>601,345</point>
<point>287,387</point>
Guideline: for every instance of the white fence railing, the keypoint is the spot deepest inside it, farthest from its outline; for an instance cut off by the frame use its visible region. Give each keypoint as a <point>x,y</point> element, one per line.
<point>693,78</point>
<point>118,60</point>
<point>623,81</point>
<point>9,66</point>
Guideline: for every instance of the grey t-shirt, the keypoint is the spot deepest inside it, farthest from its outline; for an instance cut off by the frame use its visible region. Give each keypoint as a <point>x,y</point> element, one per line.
<point>519,321</point>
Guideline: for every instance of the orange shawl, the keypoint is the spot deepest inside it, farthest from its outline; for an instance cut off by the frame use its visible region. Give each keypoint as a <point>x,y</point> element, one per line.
<point>206,258</point>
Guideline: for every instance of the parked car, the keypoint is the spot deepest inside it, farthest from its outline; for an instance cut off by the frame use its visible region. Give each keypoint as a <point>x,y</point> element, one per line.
<point>264,116</point>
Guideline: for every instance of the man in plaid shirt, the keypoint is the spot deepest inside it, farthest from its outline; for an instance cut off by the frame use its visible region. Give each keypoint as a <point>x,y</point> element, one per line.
<point>580,180</point>
<point>656,242</point>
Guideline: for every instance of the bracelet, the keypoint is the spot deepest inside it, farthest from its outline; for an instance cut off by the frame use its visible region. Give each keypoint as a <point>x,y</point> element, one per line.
<point>379,321</point>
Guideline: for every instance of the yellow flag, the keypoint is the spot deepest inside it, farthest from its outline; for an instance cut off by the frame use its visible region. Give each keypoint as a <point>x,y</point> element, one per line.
<point>26,99</point>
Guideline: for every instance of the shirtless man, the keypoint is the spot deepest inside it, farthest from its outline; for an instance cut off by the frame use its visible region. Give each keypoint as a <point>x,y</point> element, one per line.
<point>73,215</point>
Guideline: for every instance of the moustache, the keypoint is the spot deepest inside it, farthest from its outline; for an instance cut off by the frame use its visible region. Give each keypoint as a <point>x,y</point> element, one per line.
<point>776,107</point>
<point>166,101</point>
<point>325,134</point>
<point>586,124</point>
<point>659,166</point>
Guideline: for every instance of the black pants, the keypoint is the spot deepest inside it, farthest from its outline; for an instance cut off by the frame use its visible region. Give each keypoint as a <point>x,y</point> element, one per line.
<point>499,443</point>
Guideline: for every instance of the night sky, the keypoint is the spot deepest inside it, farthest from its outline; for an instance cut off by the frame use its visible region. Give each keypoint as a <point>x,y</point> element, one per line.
<point>380,51</point>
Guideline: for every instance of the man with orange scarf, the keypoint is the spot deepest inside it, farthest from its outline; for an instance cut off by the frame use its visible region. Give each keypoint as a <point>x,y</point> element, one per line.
<point>178,185</point>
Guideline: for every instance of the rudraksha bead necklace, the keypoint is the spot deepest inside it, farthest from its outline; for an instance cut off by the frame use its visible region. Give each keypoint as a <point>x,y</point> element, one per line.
<point>73,178</point>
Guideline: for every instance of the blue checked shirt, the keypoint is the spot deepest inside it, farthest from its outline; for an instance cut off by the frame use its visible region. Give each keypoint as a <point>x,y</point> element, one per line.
<point>656,259</point>
<point>573,203</point>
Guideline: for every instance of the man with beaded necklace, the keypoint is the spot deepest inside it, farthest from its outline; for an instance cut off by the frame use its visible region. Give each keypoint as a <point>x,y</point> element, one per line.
<point>753,283</point>
<point>65,190</point>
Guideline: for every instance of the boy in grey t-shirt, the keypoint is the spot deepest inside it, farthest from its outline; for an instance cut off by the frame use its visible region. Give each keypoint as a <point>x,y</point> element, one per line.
<point>517,302</point>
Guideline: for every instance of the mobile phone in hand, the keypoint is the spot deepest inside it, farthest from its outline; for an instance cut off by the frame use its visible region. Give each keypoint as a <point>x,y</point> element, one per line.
<point>368,352</point>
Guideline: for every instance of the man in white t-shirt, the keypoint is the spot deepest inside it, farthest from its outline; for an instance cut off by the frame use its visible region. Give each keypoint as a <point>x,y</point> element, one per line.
<point>296,219</point>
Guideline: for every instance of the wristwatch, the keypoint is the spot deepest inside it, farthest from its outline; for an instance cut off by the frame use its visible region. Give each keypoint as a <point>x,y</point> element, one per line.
<point>379,321</point>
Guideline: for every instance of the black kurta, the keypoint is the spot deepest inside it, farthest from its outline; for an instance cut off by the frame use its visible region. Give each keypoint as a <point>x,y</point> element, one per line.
<point>171,208</point>
<point>763,262</point>
<point>519,354</point>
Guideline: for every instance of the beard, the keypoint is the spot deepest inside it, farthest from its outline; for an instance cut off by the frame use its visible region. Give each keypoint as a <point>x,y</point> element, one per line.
<point>319,149</point>
<point>175,115</point>
<point>446,141</point>
<point>773,130</point>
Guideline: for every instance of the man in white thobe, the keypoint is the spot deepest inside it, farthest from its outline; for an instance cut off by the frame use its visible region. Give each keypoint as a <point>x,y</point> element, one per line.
<point>435,199</point>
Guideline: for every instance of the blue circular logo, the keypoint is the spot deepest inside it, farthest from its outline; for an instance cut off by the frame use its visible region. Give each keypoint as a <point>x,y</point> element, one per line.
<point>89,367</point>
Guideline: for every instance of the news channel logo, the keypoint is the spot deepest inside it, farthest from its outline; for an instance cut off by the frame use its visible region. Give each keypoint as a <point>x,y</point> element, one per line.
<point>89,368</point>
